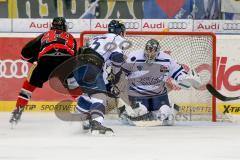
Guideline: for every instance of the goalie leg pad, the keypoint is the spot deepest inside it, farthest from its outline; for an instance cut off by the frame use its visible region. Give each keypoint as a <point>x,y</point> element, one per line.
<point>166,114</point>
<point>151,103</point>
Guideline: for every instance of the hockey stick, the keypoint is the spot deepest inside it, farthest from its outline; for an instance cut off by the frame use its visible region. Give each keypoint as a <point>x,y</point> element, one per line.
<point>218,95</point>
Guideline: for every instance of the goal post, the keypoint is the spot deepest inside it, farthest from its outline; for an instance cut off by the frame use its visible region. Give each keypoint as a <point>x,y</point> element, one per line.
<point>194,50</point>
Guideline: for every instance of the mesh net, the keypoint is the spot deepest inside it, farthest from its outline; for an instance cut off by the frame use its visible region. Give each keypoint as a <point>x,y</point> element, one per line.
<point>192,51</point>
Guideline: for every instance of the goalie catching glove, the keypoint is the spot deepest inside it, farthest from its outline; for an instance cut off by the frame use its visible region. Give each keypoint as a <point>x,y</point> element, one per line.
<point>190,79</point>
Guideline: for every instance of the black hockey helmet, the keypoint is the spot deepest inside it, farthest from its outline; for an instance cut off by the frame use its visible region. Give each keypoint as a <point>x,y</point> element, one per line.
<point>151,50</point>
<point>59,23</point>
<point>116,27</point>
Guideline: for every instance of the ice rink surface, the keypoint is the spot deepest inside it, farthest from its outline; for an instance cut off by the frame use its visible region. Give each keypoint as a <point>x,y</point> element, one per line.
<point>41,136</point>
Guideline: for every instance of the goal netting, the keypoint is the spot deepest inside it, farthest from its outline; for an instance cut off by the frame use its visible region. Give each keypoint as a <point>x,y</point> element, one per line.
<point>193,50</point>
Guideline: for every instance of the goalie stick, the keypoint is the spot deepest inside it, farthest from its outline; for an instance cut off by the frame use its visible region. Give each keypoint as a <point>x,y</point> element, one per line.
<point>218,95</point>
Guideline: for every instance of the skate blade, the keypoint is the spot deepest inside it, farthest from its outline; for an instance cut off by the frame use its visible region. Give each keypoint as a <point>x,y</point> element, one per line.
<point>107,133</point>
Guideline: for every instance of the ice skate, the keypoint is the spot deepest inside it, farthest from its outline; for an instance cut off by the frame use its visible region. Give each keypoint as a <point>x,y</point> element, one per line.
<point>98,129</point>
<point>86,125</point>
<point>16,115</point>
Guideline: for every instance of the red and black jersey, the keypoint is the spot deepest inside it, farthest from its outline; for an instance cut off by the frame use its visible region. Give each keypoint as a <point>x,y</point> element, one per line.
<point>58,40</point>
<point>49,42</point>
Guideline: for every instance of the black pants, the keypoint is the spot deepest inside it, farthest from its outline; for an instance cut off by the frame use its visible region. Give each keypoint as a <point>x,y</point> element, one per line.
<point>40,73</point>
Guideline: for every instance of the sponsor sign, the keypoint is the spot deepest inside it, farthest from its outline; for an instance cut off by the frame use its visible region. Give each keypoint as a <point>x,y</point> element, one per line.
<point>207,26</point>
<point>155,25</point>
<point>37,106</point>
<point>102,24</point>
<point>99,24</point>
<point>5,25</point>
<point>217,26</point>
<point>228,70</point>
<point>43,25</point>
<point>13,68</point>
<point>159,25</point>
<point>31,25</point>
<point>192,108</point>
<point>13,72</point>
<point>228,66</point>
<point>229,108</point>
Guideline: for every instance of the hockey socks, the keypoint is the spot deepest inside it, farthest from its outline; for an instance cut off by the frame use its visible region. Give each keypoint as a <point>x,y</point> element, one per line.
<point>25,94</point>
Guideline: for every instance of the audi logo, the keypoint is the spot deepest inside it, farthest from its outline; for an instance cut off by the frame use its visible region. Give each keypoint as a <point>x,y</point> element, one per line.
<point>177,25</point>
<point>231,26</point>
<point>13,68</point>
<point>131,25</point>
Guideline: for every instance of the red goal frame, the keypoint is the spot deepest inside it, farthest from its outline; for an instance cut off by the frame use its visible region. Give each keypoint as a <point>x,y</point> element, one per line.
<point>214,110</point>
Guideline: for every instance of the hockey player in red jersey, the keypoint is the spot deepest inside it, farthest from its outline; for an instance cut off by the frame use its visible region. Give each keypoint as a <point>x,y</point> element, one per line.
<point>45,52</point>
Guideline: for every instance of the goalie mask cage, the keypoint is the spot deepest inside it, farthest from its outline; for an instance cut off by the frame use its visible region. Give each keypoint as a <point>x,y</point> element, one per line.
<point>193,50</point>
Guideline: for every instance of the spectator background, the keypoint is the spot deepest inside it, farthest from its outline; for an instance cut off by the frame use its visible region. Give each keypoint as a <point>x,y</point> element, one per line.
<point>125,9</point>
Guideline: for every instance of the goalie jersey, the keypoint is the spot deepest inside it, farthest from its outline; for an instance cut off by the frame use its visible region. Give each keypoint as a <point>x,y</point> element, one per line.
<point>149,79</point>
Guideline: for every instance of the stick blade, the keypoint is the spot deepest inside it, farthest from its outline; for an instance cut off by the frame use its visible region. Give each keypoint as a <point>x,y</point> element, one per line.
<point>218,95</point>
<point>215,93</point>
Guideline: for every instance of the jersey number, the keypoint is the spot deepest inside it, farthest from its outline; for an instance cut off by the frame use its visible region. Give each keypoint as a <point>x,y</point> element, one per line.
<point>96,43</point>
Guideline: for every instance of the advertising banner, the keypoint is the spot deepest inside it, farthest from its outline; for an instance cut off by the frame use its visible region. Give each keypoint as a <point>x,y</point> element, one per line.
<point>174,25</point>
<point>217,26</point>
<point>31,25</point>
<point>13,72</point>
<point>102,24</point>
<point>228,71</point>
<point>151,25</point>
<point>43,25</point>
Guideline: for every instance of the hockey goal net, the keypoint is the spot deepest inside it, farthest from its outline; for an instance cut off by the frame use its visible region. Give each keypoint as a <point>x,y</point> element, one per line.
<point>194,50</point>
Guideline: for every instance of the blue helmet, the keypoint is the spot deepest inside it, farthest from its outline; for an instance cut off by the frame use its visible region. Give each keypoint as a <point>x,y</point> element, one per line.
<point>116,27</point>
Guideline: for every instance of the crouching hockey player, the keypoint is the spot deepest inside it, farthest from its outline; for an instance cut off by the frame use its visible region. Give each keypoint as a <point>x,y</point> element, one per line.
<point>147,72</point>
<point>90,76</point>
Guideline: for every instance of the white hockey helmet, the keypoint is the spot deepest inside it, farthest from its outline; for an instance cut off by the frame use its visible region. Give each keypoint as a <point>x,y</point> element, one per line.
<point>151,50</point>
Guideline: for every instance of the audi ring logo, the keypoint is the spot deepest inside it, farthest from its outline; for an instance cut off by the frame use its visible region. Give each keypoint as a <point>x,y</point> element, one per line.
<point>131,25</point>
<point>13,68</point>
<point>177,25</point>
<point>231,26</point>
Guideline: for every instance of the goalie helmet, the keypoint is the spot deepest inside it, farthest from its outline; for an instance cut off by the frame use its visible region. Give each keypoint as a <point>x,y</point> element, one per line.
<point>116,27</point>
<point>151,50</point>
<point>59,23</point>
